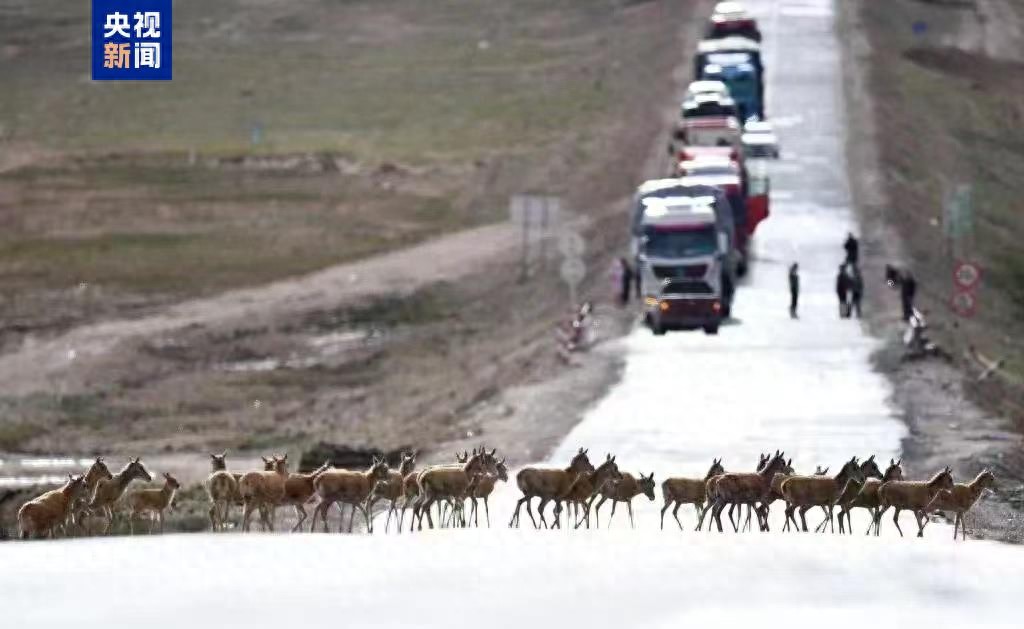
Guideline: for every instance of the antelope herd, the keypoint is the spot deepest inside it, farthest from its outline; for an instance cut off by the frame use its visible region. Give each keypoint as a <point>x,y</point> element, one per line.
<point>576,492</point>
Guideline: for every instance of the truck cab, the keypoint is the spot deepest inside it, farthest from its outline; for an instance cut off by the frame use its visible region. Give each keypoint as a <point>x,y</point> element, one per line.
<point>685,258</point>
<point>738,72</point>
<point>736,61</point>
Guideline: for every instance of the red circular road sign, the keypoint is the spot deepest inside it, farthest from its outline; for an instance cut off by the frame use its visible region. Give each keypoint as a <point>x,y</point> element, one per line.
<point>964,303</point>
<point>966,275</point>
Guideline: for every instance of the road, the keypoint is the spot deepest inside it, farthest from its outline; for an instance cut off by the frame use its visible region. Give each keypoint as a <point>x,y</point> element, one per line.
<point>766,382</point>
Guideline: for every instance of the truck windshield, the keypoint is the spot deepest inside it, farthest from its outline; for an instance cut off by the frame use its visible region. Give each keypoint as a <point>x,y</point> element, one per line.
<point>679,243</point>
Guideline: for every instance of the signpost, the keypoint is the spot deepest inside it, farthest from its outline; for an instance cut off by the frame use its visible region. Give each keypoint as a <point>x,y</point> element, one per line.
<point>534,214</point>
<point>966,277</point>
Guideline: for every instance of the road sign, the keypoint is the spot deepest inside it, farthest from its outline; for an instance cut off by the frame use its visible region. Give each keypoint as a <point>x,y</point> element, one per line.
<point>572,271</point>
<point>966,275</point>
<point>534,210</point>
<point>964,303</point>
<point>571,244</point>
<point>958,219</point>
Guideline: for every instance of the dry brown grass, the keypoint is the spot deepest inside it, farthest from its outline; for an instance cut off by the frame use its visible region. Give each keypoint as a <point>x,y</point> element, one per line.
<point>948,115</point>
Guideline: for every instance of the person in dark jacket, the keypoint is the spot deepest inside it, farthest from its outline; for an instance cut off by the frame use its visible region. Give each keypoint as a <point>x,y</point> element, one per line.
<point>904,280</point>
<point>794,288</point>
<point>852,247</point>
<point>843,291</point>
<point>856,283</point>
<point>626,280</point>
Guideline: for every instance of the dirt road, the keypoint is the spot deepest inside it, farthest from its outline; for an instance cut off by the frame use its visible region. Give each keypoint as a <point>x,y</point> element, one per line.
<point>69,361</point>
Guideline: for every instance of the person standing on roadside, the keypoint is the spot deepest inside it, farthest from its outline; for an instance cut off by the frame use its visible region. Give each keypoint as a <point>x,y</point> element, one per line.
<point>856,289</point>
<point>794,288</point>
<point>852,247</point>
<point>625,281</point>
<point>843,292</point>
<point>904,280</point>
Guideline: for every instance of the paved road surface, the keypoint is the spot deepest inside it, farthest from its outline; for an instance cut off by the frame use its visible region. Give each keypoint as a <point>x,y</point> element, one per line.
<point>764,383</point>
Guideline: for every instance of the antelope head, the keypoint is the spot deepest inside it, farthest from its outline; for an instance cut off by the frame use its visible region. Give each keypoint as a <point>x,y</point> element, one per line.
<point>715,469</point>
<point>502,470</point>
<point>870,469</point>
<point>647,485</point>
<point>581,463</point>
<point>171,482</point>
<point>97,471</point>
<point>135,469</point>
<point>219,461</point>
<point>408,463</point>
<point>894,471</point>
<point>379,469</point>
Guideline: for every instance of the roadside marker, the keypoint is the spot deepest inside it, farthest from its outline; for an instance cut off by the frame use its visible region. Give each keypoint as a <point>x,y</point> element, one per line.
<point>966,275</point>
<point>964,304</point>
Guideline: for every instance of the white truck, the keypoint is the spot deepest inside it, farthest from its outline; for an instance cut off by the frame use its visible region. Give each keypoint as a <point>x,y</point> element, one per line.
<point>683,242</point>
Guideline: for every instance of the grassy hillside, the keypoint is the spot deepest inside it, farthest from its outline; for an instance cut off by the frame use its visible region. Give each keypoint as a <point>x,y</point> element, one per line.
<point>297,134</point>
<point>948,113</point>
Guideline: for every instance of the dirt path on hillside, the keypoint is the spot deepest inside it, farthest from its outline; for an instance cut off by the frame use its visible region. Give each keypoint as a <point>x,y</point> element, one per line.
<point>946,428</point>
<point>66,361</point>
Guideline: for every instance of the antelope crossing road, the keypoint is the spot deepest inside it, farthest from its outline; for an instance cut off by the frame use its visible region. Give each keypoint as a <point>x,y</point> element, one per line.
<point>766,382</point>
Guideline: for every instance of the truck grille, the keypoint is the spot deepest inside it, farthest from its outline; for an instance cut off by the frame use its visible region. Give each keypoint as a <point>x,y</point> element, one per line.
<point>684,287</point>
<point>692,271</point>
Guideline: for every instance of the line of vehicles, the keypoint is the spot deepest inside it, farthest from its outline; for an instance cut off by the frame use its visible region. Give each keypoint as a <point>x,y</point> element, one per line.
<point>691,232</point>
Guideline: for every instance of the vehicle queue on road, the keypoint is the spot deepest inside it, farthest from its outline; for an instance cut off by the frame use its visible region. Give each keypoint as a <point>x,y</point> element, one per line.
<point>691,232</point>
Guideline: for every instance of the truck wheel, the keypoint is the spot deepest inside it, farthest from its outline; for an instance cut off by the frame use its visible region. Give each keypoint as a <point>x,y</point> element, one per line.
<point>657,329</point>
<point>727,310</point>
<point>711,329</point>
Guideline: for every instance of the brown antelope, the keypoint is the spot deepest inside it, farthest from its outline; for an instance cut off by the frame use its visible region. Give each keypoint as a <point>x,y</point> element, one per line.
<point>110,490</point>
<point>849,492</point>
<point>745,489</point>
<point>806,492</point>
<point>959,500</point>
<point>79,511</point>
<point>263,491</point>
<point>711,490</point>
<point>764,509</point>
<point>411,489</point>
<point>151,501</point>
<point>393,488</point>
<point>624,490</point>
<point>547,484</point>
<point>483,489</point>
<point>299,489</point>
<point>42,515</point>
<point>451,483</point>
<point>687,491</point>
<point>867,497</point>
<point>348,487</point>
<point>583,490</point>
<point>222,489</point>
<point>912,495</point>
